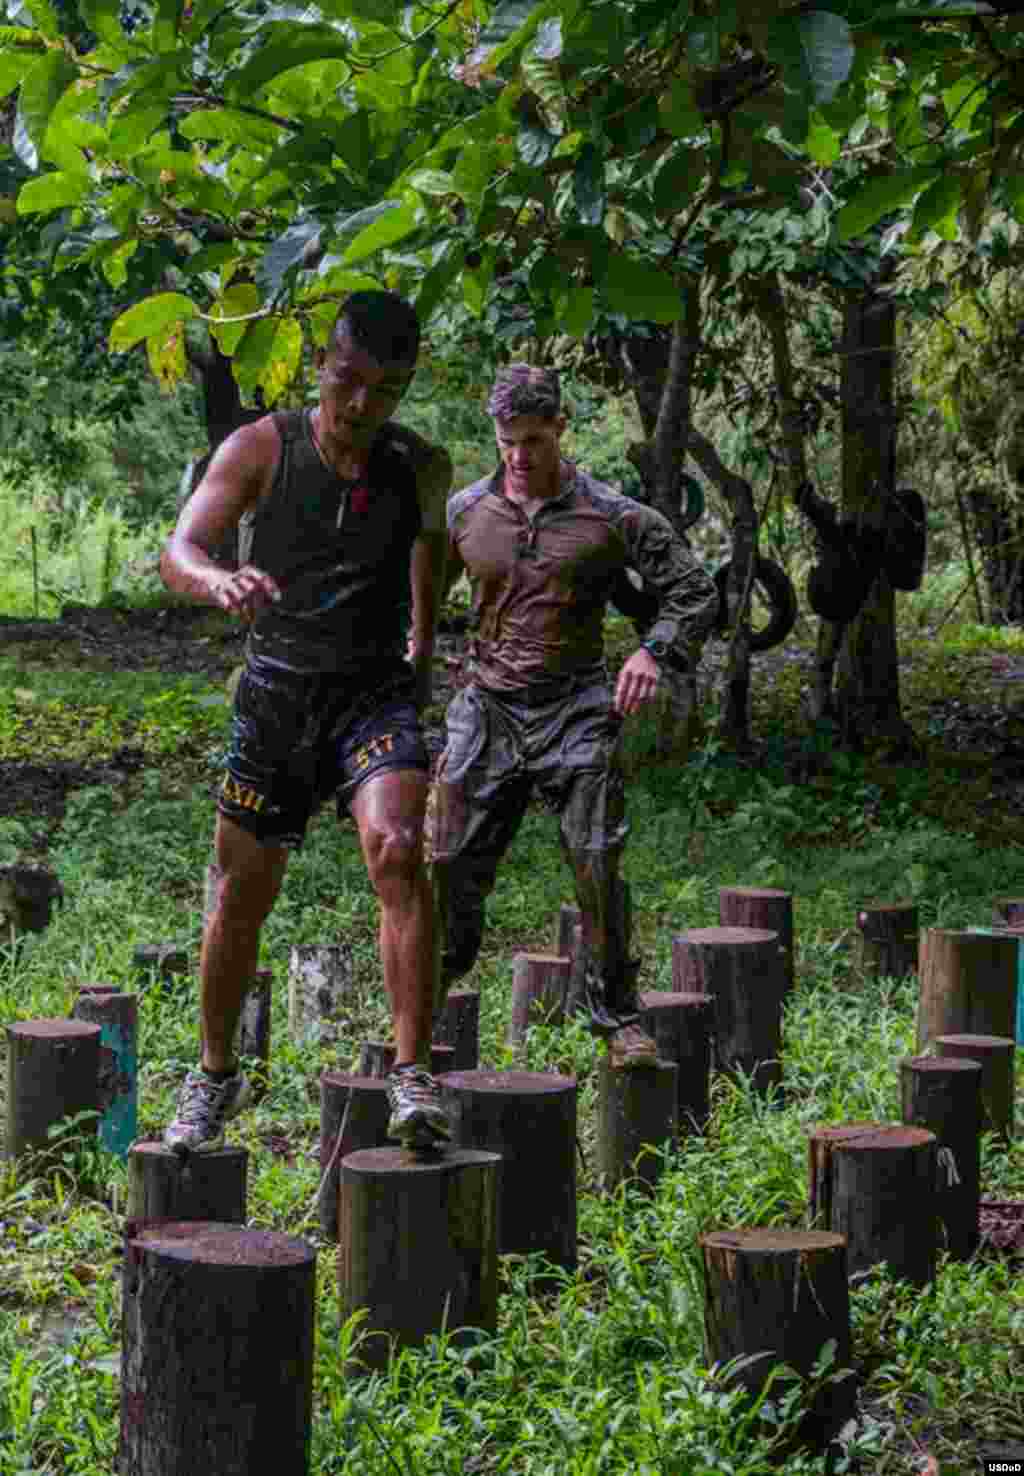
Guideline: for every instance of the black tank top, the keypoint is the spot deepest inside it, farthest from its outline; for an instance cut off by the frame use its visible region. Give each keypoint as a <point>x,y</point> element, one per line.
<point>339,551</point>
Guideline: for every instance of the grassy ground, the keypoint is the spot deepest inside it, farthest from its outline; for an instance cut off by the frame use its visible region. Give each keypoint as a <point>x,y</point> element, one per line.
<point>607,1376</point>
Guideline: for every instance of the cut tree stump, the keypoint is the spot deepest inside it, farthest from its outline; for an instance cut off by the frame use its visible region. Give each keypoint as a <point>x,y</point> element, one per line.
<point>529,1117</point>
<point>680,1025</point>
<point>218,1341</point>
<point>888,937</point>
<point>968,984</point>
<point>943,1094</point>
<point>995,1055</point>
<point>377,1057</point>
<point>356,1108</point>
<point>27,897</point>
<point>117,1015</point>
<point>458,1026</point>
<point>875,1184</point>
<point>778,1296</point>
<point>319,984</point>
<point>160,963</point>
<point>742,970</point>
<point>761,907</point>
<point>199,1186</point>
<point>540,983</point>
<point>252,1036</point>
<point>52,1073</point>
<point>417,1246</point>
<point>637,1118</point>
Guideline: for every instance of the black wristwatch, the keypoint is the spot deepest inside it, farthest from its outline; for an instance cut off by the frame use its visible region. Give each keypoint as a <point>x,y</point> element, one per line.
<point>657,649</point>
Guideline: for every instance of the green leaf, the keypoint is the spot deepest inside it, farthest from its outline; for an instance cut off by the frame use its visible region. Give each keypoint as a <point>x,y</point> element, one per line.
<point>286,46</point>
<point>588,186</point>
<point>113,263</point>
<point>679,112</point>
<point>936,210</point>
<point>239,301</point>
<point>575,311</point>
<point>253,353</point>
<point>104,17</point>
<point>679,179</point>
<point>474,170</point>
<point>641,291</point>
<point>398,222</point>
<point>148,318</point>
<point>508,19</point>
<point>166,352</point>
<point>435,285</point>
<point>166,19</point>
<point>879,197</point>
<point>41,90</point>
<point>45,17</point>
<point>132,129</point>
<point>284,254</point>
<point>54,191</point>
<point>822,143</point>
<point>815,50</point>
<point>14,65</point>
<point>432,182</point>
<point>282,363</point>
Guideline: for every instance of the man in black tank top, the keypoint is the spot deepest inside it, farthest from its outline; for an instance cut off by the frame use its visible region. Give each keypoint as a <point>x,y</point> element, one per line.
<point>341,519</point>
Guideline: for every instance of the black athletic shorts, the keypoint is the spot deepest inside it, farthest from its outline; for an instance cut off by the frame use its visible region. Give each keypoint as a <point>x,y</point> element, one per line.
<point>298,738</point>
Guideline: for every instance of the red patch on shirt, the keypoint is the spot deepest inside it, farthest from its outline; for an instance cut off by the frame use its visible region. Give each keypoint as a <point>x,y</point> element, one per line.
<point>359,499</point>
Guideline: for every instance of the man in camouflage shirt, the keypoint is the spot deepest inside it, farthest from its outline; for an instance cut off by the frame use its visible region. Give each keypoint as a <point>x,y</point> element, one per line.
<point>542,543</point>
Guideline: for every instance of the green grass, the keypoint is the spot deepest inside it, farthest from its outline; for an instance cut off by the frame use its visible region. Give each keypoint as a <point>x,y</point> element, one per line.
<point>606,1376</point>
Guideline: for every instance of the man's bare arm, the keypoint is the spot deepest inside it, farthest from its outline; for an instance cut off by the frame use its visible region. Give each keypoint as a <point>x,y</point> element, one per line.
<point>240,472</point>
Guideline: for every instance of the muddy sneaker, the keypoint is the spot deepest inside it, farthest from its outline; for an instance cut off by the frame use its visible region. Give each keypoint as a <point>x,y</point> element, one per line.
<point>418,1118</point>
<point>631,1046</point>
<point>204,1106</point>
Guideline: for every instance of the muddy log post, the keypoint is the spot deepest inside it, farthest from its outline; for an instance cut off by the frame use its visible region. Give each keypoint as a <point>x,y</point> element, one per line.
<point>742,970</point>
<point>995,1056</point>
<point>887,939</point>
<point>680,1025</point>
<point>875,1184</point>
<point>319,982</point>
<point>637,1117</point>
<point>761,907</point>
<point>778,1296</point>
<point>458,1026</point>
<point>569,918</point>
<point>198,1186</point>
<point>353,1115</point>
<point>540,982</point>
<point>52,1073</point>
<point>117,1015</point>
<point>252,1035</point>
<point>529,1118</point>
<point>218,1339</point>
<point>943,1094</point>
<point>160,963</point>
<point>417,1246</point>
<point>968,985</point>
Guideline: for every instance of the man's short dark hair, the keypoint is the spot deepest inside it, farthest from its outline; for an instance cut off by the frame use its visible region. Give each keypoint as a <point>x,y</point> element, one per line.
<point>525,389</point>
<point>382,323</point>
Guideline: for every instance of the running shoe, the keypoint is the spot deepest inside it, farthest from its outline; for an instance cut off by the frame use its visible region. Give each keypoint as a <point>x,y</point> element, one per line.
<point>204,1106</point>
<point>418,1117</point>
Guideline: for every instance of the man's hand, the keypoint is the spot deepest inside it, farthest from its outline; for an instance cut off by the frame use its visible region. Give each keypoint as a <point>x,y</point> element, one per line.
<point>637,684</point>
<point>244,592</point>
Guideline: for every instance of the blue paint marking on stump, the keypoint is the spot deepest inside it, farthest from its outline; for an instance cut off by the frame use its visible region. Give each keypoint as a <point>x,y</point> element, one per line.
<point>1002,933</point>
<point>117,1016</point>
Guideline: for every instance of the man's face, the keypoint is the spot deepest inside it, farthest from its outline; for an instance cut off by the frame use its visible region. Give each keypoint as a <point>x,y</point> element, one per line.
<point>529,447</point>
<point>357,393</point>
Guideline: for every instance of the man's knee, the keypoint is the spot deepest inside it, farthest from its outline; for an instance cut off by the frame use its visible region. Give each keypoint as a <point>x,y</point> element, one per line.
<point>249,873</point>
<point>394,852</point>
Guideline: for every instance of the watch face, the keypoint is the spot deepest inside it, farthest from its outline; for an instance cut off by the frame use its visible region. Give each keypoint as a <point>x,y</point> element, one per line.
<point>656,648</point>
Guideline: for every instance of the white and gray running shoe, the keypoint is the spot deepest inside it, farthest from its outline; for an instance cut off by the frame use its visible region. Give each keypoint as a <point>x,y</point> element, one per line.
<point>418,1116</point>
<point>204,1106</point>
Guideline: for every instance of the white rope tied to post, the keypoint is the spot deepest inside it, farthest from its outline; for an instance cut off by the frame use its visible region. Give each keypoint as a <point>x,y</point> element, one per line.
<point>947,1162</point>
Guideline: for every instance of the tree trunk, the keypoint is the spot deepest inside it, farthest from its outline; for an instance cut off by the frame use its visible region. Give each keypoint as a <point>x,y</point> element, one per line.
<point>943,1094</point>
<point>637,1118</point>
<point>199,1186</point>
<point>999,530</point>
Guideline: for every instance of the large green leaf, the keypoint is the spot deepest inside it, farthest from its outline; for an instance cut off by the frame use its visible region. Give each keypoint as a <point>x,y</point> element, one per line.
<point>509,21</point>
<point>284,254</point>
<point>815,51</point>
<point>45,17</point>
<point>286,46</point>
<point>104,17</point>
<point>397,223</point>
<point>474,171</point>
<point>879,197</point>
<point>148,318</point>
<point>588,186</point>
<point>41,90</point>
<point>678,179</point>
<point>822,143</point>
<point>936,210</point>
<point>575,311</point>
<point>641,291</point>
<point>252,356</point>
<point>14,65</point>
<point>52,191</point>
<point>435,284</point>
<point>679,112</point>
<point>166,19</point>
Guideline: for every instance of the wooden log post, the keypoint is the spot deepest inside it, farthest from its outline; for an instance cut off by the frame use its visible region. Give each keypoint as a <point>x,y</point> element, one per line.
<point>117,1015</point>
<point>680,1025</point>
<point>778,1296</point>
<point>637,1117</point>
<point>319,983</point>
<point>458,1026</point>
<point>253,1032</point>
<point>540,983</point>
<point>218,1338</point>
<point>968,985</point>
<point>417,1245</point>
<point>52,1073</point>
<point>529,1118</point>
<point>943,1094</point>
<point>995,1055</point>
<point>91,989</point>
<point>875,1183</point>
<point>377,1058</point>
<point>761,907</point>
<point>353,1115</point>
<point>1013,930</point>
<point>198,1186</point>
<point>887,939</point>
<point>160,963</point>
<point>741,968</point>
